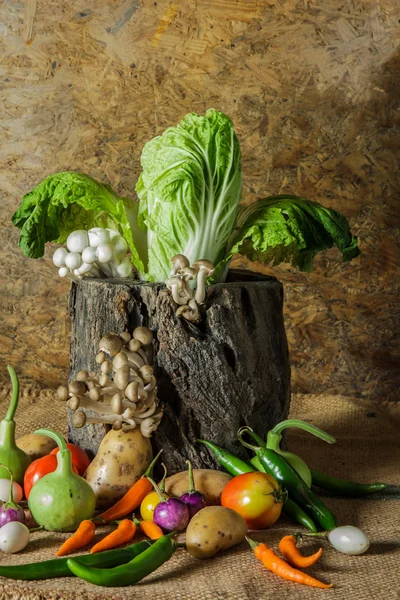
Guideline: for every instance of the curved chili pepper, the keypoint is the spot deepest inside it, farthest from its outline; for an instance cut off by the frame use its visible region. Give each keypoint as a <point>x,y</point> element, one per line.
<point>289,550</point>
<point>236,466</point>
<point>276,465</point>
<point>345,488</point>
<point>57,567</point>
<point>281,568</point>
<point>131,572</point>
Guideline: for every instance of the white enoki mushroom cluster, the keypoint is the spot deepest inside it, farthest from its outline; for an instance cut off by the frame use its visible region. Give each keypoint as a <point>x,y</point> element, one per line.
<point>188,285</point>
<point>127,400</point>
<point>95,253</point>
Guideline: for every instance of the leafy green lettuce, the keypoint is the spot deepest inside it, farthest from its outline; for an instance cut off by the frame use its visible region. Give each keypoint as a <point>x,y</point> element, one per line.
<point>189,191</point>
<point>68,201</point>
<point>291,229</point>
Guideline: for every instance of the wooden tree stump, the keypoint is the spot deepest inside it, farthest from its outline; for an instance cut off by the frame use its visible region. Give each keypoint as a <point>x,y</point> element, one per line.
<point>229,370</point>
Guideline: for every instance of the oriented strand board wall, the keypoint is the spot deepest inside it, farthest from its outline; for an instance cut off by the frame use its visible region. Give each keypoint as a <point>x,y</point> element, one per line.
<point>313,89</point>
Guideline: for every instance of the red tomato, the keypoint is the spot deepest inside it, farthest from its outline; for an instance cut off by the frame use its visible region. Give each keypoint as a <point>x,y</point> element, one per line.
<point>38,469</point>
<point>255,496</point>
<point>79,457</point>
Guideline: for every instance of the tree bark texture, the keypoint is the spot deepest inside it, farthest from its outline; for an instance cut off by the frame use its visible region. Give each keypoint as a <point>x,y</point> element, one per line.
<point>229,370</point>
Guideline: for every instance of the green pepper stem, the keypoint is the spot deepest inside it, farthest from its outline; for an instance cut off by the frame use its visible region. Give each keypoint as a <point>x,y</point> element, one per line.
<point>297,423</point>
<point>64,456</point>
<point>157,489</point>
<point>247,429</point>
<point>15,395</point>
<point>149,470</point>
<point>192,489</point>
<point>162,482</point>
<point>10,493</point>
<point>54,435</point>
<point>253,545</point>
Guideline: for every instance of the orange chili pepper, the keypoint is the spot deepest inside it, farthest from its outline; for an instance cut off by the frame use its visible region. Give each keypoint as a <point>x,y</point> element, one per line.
<point>149,528</point>
<point>81,538</point>
<point>133,497</point>
<point>289,550</point>
<point>281,568</point>
<point>123,534</point>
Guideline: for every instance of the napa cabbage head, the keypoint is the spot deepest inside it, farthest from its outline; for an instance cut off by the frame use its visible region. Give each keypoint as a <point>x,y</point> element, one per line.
<point>189,191</point>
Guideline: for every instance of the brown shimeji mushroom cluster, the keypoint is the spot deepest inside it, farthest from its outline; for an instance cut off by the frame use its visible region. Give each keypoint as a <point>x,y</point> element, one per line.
<point>124,393</point>
<point>187,285</point>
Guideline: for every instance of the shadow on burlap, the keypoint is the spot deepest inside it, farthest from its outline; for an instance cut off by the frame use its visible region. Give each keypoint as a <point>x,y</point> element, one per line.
<point>367,450</point>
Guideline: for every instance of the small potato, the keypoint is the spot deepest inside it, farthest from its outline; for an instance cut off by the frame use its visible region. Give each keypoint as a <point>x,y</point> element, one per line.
<point>208,482</point>
<point>213,529</point>
<point>121,460</point>
<point>36,445</point>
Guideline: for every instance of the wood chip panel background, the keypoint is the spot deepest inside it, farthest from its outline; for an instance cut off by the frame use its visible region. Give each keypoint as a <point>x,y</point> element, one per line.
<point>313,89</point>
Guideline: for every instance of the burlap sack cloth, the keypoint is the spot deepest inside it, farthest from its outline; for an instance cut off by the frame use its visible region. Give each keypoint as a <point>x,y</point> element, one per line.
<point>367,450</point>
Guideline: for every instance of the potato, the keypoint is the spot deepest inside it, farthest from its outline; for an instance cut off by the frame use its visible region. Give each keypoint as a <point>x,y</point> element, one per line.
<point>213,529</point>
<point>208,482</point>
<point>36,445</point>
<point>121,460</point>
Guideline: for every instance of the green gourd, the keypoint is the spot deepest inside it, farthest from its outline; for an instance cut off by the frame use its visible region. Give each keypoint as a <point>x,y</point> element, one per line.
<point>10,455</point>
<point>61,500</point>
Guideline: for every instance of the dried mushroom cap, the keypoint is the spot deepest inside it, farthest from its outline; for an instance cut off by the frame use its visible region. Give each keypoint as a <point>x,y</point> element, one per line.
<point>100,357</point>
<point>62,393</point>
<point>77,387</point>
<point>111,344</point>
<point>106,367</point>
<point>82,375</point>
<point>125,337</point>
<point>79,419</point>
<point>144,335</point>
<point>146,372</point>
<point>134,345</point>
<point>74,403</point>
<point>179,261</point>
<point>94,394</point>
<point>121,377</point>
<point>204,265</point>
<point>120,360</point>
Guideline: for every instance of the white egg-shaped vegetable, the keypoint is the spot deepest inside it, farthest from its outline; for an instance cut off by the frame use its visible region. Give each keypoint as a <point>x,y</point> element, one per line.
<point>124,269</point>
<point>120,246</point>
<point>77,240</point>
<point>63,271</point>
<point>105,253</point>
<point>14,536</point>
<point>348,540</point>
<point>89,255</point>
<point>5,490</point>
<point>73,260</point>
<point>59,257</point>
<point>97,236</point>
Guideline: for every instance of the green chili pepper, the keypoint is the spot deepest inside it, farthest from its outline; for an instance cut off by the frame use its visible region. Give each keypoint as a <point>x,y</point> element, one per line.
<point>128,573</point>
<point>274,439</point>
<point>236,466</point>
<point>274,464</point>
<point>10,455</point>
<point>57,567</point>
<point>345,488</point>
<point>293,510</point>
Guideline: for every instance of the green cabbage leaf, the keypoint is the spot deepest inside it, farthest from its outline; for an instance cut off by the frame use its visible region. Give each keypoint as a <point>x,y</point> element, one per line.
<point>290,229</point>
<point>68,201</point>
